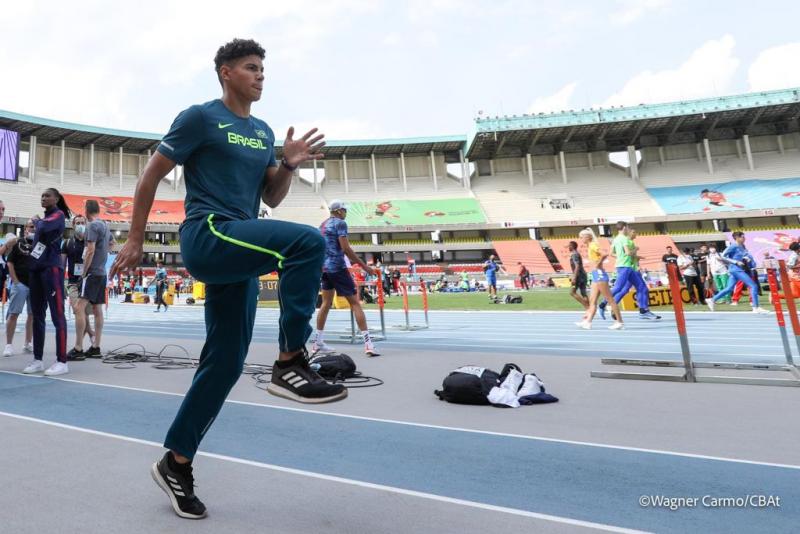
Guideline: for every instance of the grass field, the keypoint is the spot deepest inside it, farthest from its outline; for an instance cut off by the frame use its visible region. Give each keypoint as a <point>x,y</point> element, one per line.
<point>540,299</point>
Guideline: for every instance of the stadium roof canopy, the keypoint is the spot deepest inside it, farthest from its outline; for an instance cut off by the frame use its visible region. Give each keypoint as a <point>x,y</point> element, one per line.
<point>614,129</point>
<point>53,131</point>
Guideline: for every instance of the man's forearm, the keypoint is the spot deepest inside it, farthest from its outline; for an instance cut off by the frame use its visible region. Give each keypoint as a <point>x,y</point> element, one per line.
<point>88,260</point>
<point>277,187</point>
<point>142,203</point>
<point>354,257</point>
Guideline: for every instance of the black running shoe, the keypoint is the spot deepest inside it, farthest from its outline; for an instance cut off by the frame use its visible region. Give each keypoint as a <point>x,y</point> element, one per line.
<point>296,381</point>
<point>75,355</point>
<point>93,352</point>
<point>179,488</point>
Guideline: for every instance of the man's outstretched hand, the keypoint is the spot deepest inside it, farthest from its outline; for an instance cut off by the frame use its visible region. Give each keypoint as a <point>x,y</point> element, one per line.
<point>308,147</point>
<point>128,258</point>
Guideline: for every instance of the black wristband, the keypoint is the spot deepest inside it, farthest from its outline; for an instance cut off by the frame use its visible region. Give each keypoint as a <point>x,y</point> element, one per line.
<point>285,163</point>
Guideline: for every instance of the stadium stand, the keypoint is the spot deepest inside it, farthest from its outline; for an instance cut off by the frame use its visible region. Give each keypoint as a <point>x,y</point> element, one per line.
<point>529,252</point>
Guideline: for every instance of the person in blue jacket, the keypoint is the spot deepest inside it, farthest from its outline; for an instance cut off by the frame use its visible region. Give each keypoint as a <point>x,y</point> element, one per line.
<point>47,282</point>
<point>738,259</point>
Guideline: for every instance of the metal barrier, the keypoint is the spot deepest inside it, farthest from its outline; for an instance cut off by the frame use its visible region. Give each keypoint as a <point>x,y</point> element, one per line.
<point>406,310</point>
<point>689,366</point>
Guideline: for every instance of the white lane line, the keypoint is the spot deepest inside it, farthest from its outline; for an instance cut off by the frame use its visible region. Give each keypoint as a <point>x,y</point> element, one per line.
<point>342,480</point>
<point>437,427</point>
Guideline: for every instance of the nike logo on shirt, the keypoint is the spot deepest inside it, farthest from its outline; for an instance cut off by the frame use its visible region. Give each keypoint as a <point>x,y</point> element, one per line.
<point>220,125</point>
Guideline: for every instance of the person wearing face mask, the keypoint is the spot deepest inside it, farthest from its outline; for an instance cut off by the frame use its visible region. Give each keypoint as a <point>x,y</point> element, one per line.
<point>47,282</point>
<point>18,264</point>
<point>72,254</point>
<point>717,272</point>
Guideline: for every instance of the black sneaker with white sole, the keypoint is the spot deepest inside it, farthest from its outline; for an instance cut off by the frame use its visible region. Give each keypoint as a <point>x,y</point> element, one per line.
<point>94,352</point>
<point>295,380</point>
<point>179,487</point>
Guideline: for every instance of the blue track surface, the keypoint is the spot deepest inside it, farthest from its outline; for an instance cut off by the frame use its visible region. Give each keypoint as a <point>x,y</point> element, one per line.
<point>735,337</point>
<point>576,481</point>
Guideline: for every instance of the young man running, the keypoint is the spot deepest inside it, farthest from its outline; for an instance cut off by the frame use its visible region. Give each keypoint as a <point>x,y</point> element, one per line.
<point>336,278</point>
<point>229,163</point>
<point>738,259</point>
<point>624,250</point>
<point>578,279</point>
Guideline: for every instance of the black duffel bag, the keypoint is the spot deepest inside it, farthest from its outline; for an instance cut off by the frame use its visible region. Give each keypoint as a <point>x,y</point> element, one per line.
<point>468,385</point>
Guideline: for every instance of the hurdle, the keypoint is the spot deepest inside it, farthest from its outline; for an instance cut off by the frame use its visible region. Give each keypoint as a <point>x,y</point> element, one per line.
<point>378,334</point>
<point>408,327</point>
<point>690,366</point>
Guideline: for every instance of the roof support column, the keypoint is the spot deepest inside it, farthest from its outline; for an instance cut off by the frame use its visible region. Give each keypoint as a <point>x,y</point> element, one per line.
<point>316,184</point>
<point>707,148</point>
<point>51,154</point>
<point>739,148</point>
<point>91,165</point>
<point>344,173</point>
<point>748,152</point>
<point>464,167</point>
<point>661,155</point>
<point>121,152</point>
<point>110,162</point>
<point>32,159</point>
<point>403,171</point>
<point>634,167</point>
<point>433,173</point>
<point>374,172</point>
<point>175,178</point>
<point>780,144</point>
<point>563,166</point>
<point>699,152</point>
<point>590,160</point>
<point>529,160</point>
<point>63,148</point>
<point>491,167</point>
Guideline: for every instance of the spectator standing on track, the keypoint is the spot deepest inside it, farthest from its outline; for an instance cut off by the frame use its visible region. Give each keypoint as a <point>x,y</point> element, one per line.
<point>396,279</point>
<point>691,275</point>
<point>19,262</point>
<point>94,278</point>
<point>524,276</point>
<point>160,281</point>
<point>738,258</point>
<point>717,271</point>
<point>700,258</point>
<point>336,278</point>
<point>47,282</point>
<point>72,254</point>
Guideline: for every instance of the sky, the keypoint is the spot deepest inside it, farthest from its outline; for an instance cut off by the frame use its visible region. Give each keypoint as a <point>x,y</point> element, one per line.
<point>366,69</point>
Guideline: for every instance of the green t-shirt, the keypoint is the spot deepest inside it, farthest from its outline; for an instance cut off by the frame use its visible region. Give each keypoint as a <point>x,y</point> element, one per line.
<point>224,158</point>
<point>618,246</point>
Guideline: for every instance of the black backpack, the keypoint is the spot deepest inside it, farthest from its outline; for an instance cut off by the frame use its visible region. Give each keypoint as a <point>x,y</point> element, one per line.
<point>468,385</point>
<point>333,365</point>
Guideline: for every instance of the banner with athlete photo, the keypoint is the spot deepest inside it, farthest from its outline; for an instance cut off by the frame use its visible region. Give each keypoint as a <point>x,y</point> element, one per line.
<point>776,243</point>
<point>120,209</point>
<point>728,196</point>
<point>415,212</point>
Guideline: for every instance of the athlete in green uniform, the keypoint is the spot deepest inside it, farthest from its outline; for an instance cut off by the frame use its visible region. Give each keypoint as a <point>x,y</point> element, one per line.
<point>229,165</point>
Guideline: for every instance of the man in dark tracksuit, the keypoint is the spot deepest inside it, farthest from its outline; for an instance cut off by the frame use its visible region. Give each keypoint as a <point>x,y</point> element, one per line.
<point>229,163</point>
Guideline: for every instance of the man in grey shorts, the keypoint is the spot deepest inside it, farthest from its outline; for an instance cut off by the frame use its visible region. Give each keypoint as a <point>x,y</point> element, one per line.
<point>93,283</point>
<point>18,263</point>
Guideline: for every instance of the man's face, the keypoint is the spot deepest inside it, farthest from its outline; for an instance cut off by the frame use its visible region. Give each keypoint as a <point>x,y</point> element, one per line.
<point>341,213</point>
<point>704,249</point>
<point>669,250</point>
<point>245,77</point>
<point>740,240</point>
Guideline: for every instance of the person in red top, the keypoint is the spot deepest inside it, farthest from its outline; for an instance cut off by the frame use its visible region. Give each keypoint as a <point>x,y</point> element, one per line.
<point>524,276</point>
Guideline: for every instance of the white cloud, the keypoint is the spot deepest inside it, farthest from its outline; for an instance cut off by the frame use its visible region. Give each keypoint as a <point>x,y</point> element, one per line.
<point>775,68</point>
<point>708,72</point>
<point>558,101</point>
<point>632,10</point>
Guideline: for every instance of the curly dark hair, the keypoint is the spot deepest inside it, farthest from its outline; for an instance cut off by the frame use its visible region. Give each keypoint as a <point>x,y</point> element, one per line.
<point>234,50</point>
